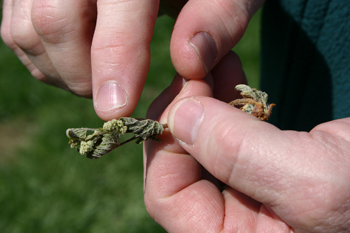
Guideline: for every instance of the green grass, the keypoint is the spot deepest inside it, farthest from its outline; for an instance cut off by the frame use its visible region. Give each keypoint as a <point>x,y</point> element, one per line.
<point>47,187</point>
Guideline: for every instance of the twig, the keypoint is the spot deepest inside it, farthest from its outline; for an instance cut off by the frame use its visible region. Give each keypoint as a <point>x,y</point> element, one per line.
<point>94,143</point>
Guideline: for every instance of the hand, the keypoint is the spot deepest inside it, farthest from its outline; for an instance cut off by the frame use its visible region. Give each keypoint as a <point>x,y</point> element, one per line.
<point>100,48</point>
<point>275,181</point>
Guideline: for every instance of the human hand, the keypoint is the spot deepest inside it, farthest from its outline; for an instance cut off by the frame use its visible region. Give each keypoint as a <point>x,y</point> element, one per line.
<point>275,181</point>
<point>83,45</point>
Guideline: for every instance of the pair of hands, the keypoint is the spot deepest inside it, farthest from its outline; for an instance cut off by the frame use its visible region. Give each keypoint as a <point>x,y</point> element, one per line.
<point>275,181</point>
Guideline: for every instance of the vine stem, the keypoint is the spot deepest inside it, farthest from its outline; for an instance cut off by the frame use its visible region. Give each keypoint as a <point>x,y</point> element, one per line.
<point>127,141</point>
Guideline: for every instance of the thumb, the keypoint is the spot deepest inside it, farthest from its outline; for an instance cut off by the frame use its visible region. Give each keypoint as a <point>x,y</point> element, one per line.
<point>226,141</point>
<point>120,54</point>
<point>286,170</point>
<point>205,31</point>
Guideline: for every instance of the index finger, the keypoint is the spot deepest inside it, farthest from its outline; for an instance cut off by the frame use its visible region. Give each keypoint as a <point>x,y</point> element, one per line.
<point>120,54</point>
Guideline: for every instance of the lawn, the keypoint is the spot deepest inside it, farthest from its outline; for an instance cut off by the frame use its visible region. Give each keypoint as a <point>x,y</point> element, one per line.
<point>47,187</point>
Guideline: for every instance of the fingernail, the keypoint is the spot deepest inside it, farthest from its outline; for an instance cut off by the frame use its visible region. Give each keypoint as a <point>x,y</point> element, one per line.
<point>185,120</point>
<point>110,96</point>
<point>205,47</point>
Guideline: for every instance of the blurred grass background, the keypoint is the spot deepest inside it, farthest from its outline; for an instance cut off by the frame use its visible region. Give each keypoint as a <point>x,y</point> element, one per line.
<point>47,187</point>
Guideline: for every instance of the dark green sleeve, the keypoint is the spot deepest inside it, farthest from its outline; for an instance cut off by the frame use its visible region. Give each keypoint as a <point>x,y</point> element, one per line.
<point>306,61</point>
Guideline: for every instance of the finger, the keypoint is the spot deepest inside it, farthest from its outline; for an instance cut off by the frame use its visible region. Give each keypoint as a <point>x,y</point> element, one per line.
<point>272,166</point>
<point>158,110</point>
<point>166,97</point>
<point>155,112</point>
<point>205,31</point>
<point>179,88</point>
<point>157,107</point>
<point>6,28</point>
<point>121,54</point>
<point>243,214</point>
<point>224,119</point>
<point>174,177</point>
<point>227,74</point>
<point>12,23</point>
<point>66,28</point>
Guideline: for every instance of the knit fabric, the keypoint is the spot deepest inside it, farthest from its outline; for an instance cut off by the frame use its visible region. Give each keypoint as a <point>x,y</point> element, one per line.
<point>306,61</point>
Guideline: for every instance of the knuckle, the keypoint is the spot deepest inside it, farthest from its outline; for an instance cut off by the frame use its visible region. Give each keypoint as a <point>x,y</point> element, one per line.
<point>227,169</point>
<point>37,74</point>
<point>234,17</point>
<point>50,21</point>
<point>109,39</point>
<point>107,45</point>
<point>116,49</point>
<point>23,34</point>
<point>81,90</point>
<point>6,36</point>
